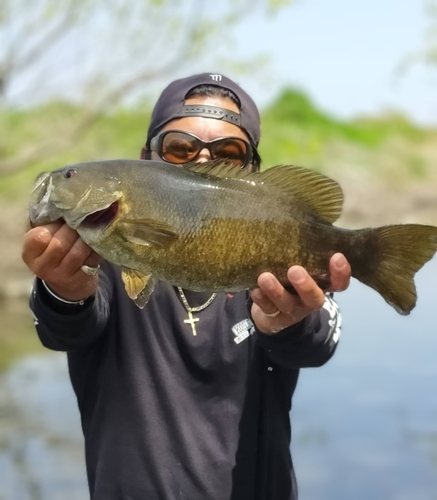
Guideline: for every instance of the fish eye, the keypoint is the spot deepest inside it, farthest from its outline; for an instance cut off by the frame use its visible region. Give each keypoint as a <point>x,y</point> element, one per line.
<point>70,173</point>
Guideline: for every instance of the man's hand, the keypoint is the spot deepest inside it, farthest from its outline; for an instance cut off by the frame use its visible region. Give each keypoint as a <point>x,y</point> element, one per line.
<point>55,253</point>
<point>272,297</point>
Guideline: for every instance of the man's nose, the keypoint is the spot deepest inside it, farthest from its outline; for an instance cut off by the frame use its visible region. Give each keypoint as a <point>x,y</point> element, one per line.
<point>204,156</point>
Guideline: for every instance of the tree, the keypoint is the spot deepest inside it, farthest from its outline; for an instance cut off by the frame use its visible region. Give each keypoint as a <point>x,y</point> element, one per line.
<point>427,56</point>
<point>100,53</point>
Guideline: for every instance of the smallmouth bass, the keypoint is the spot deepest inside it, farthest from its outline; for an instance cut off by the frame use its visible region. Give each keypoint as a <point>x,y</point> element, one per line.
<point>214,227</point>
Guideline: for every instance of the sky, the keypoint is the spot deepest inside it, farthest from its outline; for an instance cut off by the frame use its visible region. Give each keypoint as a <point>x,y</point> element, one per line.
<point>345,54</point>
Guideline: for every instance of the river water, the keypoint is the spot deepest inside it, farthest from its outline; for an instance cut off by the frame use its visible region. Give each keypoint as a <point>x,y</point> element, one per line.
<point>364,425</point>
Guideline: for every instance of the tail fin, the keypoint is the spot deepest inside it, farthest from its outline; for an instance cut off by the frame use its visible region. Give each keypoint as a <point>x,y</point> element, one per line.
<point>393,255</point>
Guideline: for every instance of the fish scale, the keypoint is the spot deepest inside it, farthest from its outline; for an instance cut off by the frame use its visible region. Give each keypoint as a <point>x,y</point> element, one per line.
<point>214,227</point>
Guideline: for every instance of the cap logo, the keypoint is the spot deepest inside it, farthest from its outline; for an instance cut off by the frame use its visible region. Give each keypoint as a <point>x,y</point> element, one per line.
<point>216,78</point>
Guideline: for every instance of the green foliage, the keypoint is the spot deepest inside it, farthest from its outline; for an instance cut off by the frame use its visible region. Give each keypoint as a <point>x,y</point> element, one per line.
<point>294,107</point>
<point>294,130</point>
<point>116,135</point>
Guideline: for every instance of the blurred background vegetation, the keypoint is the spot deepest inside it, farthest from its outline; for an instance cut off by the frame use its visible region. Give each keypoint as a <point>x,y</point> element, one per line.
<point>63,100</point>
<point>78,79</point>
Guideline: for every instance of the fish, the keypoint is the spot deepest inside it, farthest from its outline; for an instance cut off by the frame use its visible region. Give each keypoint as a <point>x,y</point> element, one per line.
<point>214,227</point>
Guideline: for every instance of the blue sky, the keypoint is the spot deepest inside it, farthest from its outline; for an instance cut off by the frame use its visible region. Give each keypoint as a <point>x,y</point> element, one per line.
<point>345,54</point>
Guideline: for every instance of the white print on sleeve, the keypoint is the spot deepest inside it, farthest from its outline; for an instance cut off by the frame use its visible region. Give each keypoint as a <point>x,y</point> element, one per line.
<point>334,321</point>
<point>35,319</point>
<point>242,330</point>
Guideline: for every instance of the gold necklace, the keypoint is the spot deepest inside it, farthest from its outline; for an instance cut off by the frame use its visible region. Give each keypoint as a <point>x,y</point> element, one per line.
<point>191,319</point>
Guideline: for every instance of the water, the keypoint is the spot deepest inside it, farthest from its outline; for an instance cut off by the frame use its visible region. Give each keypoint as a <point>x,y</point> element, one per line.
<point>41,445</point>
<point>364,425</point>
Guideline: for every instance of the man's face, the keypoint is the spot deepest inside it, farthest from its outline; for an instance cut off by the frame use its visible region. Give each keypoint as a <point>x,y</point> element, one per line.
<point>206,129</point>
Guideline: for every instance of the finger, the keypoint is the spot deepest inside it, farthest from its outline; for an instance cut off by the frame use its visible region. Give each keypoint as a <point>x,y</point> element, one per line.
<point>340,271</point>
<point>69,280</point>
<point>263,302</point>
<point>271,325</point>
<point>37,239</point>
<point>78,254</point>
<point>273,293</point>
<point>267,324</point>
<point>85,281</point>
<point>60,245</point>
<point>93,259</point>
<point>276,297</point>
<point>311,295</point>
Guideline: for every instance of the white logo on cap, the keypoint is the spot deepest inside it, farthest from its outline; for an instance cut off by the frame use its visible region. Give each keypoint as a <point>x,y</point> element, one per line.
<point>216,78</point>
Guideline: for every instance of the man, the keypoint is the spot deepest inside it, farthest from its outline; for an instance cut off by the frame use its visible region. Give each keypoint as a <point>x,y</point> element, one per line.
<point>188,398</point>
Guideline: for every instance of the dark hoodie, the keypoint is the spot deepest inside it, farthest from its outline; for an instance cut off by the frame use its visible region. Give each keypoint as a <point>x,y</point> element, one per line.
<point>168,415</point>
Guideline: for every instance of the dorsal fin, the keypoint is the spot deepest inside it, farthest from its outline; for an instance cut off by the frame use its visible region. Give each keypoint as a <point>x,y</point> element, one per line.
<point>217,168</point>
<point>322,194</point>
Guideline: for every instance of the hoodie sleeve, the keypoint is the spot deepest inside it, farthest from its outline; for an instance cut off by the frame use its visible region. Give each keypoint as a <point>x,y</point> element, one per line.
<point>64,327</point>
<point>310,343</point>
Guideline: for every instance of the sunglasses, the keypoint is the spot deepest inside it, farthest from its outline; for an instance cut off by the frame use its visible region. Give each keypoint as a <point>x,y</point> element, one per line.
<point>175,146</point>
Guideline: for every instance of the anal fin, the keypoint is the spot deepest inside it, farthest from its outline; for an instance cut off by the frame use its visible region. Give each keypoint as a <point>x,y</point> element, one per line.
<point>138,286</point>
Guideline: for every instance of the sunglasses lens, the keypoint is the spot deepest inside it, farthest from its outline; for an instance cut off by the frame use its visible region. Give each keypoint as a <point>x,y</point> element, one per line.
<point>231,149</point>
<point>178,147</point>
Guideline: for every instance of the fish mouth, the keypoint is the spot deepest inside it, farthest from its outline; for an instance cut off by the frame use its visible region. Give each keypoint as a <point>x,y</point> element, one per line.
<point>100,219</point>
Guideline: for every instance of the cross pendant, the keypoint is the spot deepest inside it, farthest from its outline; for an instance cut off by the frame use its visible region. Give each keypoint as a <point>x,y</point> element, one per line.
<point>191,320</point>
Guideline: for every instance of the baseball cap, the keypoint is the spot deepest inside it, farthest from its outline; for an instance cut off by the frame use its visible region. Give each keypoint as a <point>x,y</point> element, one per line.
<point>171,105</point>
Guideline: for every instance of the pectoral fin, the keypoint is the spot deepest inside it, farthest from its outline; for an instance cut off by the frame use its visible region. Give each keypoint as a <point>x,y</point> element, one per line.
<point>148,232</point>
<point>138,286</point>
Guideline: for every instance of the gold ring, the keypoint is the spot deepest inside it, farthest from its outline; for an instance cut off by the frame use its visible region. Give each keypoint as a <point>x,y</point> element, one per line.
<point>91,271</point>
<point>273,315</point>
